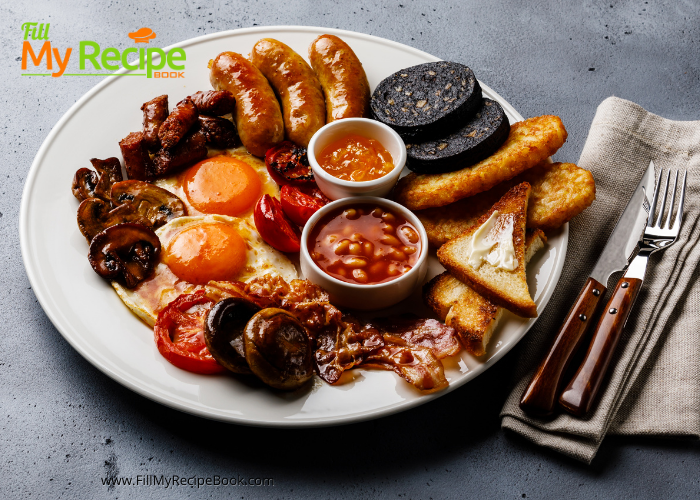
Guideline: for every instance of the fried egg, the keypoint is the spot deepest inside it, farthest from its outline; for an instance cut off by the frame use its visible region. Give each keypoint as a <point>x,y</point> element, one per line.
<point>228,182</point>
<point>197,249</point>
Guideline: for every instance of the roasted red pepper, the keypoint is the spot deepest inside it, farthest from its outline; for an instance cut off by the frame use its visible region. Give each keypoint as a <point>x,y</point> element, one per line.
<point>274,227</point>
<point>298,206</point>
<point>287,163</point>
<point>179,334</point>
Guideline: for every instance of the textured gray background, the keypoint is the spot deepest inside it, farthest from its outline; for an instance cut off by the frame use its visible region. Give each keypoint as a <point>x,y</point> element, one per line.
<point>64,425</point>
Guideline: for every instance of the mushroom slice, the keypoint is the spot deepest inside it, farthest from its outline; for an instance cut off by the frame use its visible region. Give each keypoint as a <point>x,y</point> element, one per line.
<point>126,253</point>
<point>110,172</point>
<point>84,182</point>
<point>97,183</point>
<point>95,215</point>
<point>223,332</point>
<point>278,349</point>
<point>134,201</point>
<point>156,204</point>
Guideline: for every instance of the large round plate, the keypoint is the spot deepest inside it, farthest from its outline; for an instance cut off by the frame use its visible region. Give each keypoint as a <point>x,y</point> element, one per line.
<point>90,316</point>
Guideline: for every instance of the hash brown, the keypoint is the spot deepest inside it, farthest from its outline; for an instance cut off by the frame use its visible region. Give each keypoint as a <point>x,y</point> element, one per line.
<point>529,143</point>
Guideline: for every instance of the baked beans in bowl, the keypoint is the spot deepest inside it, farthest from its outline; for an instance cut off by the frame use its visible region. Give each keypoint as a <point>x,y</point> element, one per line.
<point>368,253</point>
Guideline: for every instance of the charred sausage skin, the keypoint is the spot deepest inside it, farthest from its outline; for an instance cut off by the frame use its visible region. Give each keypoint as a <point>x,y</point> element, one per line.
<point>155,112</point>
<point>342,78</point>
<point>214,102</point>
<point>178,123</point>
<point>295,83</point>
<point>258,116</point>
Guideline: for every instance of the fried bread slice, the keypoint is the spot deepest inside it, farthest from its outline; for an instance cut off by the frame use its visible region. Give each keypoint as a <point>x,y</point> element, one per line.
<point>472,316</point>
<point>529,143</point>
<point>503,225</point>
<point>560,191</point>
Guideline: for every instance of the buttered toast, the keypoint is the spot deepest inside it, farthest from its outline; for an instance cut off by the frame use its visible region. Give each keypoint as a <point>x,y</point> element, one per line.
<point>459,306</point>
<point>490,257</point>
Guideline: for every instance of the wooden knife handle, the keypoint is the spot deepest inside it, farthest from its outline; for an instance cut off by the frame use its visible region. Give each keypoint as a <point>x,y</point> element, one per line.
<point>581,391</point>
<point>540,397</point>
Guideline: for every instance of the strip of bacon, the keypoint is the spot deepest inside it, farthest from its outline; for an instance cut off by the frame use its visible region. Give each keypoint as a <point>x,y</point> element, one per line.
<point>420,332</point>
<point>417,365</point>
<point>341,347</point>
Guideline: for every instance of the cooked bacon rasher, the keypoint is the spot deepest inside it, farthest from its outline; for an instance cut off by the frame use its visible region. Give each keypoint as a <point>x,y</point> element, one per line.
<point>410,346</point>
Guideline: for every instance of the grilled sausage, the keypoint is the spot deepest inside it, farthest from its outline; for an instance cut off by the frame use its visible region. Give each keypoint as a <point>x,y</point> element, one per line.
<point>136,159</point>
<point>219,132</point>
<point>342,78</point>
<point>192,148</point>
<point>178,123</point>
<point>258,117</point>
<point>155,113</point>
<point>214,102</point>
<point>296,85</point>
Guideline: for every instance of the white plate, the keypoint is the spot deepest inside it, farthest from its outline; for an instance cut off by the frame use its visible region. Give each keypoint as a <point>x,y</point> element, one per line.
<point>90,316</point>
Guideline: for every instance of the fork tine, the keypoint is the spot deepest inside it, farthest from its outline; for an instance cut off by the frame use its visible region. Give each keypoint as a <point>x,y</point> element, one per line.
<point>681,202</point>
<point>655,196</point>
<point>667,223</point>
<point>660,220</point>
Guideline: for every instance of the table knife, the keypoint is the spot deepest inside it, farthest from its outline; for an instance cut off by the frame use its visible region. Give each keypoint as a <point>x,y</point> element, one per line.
<point>540,396</point>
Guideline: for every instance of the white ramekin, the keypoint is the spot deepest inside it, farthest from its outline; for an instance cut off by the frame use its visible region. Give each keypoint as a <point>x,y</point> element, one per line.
<point>336,188</point>
<point>365,297</point>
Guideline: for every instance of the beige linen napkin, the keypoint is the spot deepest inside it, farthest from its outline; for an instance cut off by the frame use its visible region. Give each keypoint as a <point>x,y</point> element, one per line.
<point>653,384</point>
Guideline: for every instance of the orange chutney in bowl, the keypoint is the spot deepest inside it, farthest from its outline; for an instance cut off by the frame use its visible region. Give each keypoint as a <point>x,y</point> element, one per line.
<point>356,158</point>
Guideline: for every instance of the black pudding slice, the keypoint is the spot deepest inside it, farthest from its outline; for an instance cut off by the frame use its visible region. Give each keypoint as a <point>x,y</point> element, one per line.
<point>427,101</point>
<point>478,138</point>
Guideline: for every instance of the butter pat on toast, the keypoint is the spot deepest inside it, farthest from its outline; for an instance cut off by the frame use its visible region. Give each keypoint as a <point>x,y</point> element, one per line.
<point>490,257</point>
<point>529,143</point>
<point>560,191</point>
<point>471,315</point>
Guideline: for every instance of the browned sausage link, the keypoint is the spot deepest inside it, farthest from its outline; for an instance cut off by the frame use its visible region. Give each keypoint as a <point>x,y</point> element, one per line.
<point>214,102</point>
<point>110,172</point>
<point>178,123</point>
<point>219,132</point>
<point>136,159</point>
<point>155,113</point>
<point>258,117</point>
<point>296,85</point>
<point>342,78</point>
<point>188,151</point>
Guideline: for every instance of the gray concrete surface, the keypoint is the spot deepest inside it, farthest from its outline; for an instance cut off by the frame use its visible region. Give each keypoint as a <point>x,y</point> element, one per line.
<point>64,425</point>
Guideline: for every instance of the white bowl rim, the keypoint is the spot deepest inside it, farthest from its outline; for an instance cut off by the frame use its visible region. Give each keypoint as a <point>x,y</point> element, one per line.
<point>410,216</point>
<point>319,171</point>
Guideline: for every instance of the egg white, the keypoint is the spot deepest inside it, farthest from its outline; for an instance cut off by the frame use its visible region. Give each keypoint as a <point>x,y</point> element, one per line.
<point>153,294</point>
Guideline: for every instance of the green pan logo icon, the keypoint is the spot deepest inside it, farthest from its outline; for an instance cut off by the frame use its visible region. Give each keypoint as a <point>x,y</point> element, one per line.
<point>143,35</point>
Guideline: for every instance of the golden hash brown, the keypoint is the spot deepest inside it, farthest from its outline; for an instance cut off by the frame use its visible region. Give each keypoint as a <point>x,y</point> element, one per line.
<point>529,143</point>
<point>560,191</point>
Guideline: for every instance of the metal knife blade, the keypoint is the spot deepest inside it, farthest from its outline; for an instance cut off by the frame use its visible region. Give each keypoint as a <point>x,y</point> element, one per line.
<point>628,230</point>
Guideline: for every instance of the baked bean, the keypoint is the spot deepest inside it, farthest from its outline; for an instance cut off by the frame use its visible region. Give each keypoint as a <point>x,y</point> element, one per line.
<point>389,239</point>
<point>410,234</point>
<point>355,262</point>
<point>342,247</point>
<point>364,244</point>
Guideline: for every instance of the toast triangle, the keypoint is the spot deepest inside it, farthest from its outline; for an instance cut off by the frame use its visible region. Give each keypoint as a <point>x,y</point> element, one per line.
<point>471,315</point>
<point>505,288</point>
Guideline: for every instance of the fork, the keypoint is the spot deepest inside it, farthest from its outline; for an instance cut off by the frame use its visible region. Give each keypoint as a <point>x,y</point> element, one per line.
<point>659,234</point>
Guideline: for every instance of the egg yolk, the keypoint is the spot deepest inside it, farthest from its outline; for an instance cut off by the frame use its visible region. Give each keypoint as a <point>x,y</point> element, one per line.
<point>209,251</point>
<point>222,185</point>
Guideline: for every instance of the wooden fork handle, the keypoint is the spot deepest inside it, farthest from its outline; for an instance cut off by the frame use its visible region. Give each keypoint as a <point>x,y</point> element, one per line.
<point>540,397</point>
<point>581,391</point>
